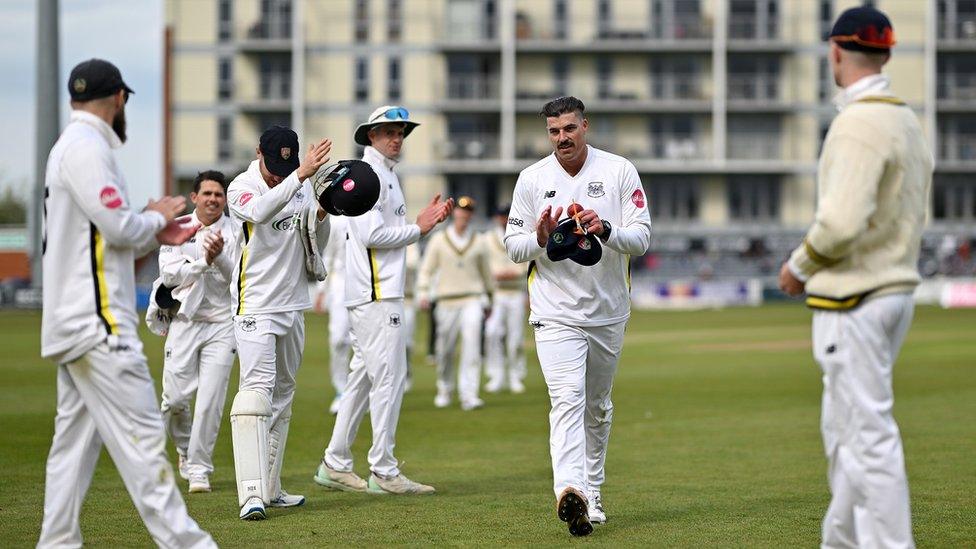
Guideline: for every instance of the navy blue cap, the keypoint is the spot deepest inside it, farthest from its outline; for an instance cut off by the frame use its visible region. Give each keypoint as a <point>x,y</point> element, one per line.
<point>568,242</point>
<point>94,79</point>
<point>863,29</point>
<point>279,145</point>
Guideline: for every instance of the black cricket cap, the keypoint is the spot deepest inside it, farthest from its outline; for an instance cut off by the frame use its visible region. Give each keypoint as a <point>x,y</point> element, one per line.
<point>864,29</point>
<point>349,188</point>
<point>94,79</point>
<point>279,145</point>
<point>568,242</point>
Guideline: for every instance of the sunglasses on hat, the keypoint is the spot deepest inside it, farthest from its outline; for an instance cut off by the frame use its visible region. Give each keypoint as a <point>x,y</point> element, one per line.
<point>397,113</point>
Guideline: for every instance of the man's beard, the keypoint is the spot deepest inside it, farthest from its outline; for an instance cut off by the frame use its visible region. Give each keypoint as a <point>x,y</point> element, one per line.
<point>118,124</point>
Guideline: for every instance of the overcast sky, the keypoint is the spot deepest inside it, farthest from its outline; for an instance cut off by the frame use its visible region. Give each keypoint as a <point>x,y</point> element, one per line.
<point>125,32</point>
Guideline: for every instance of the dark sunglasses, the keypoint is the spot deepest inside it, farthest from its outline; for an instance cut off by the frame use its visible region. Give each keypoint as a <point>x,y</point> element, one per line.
<point>398,113</point>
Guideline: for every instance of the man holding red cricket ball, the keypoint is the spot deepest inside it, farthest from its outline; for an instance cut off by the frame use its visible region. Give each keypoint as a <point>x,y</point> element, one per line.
<point>579,308</point>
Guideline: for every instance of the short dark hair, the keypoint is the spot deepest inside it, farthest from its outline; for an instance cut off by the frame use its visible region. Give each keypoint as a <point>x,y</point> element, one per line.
<point>209,175</point>
<point>562,105</point>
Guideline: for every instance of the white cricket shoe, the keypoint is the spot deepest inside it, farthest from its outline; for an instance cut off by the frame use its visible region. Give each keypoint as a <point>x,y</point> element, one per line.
<point>494,386</point>
<point>284,499</point>
<point>184,473</point>
<point>517,386</point>
<point>345,481</point>
<point>443,399</point>
<point>472,404</point>
<point>397,485</point>
<point>253,509</point>
<point>334,407</point>
<point>199,482</point>
<point>597,514</point>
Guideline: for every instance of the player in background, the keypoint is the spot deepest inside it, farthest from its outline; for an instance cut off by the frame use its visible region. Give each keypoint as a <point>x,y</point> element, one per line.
<point>340,340</point>
<point>456,272</point>
<point>375,272</point>
<point>271,288</point>
<point>578,313</point>
<point>859,266</point>
<point>200,346</point>
<point>105,394</point>
<point>505,328</point>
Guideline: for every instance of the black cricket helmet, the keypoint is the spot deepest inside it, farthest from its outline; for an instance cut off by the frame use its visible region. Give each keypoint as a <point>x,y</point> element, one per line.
<point>348,188</point>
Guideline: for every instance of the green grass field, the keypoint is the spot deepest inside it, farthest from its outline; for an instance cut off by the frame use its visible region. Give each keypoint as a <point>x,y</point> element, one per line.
<point>715,443</point>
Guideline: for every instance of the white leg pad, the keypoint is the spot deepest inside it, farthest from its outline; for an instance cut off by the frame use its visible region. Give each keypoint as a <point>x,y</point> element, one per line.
<point>279,435</point>
<point>249,418</point>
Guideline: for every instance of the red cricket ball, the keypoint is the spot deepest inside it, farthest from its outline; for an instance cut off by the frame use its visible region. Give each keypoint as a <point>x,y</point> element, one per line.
<point>574,209</point>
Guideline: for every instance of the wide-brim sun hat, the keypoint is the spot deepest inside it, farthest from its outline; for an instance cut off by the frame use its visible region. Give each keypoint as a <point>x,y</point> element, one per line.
<point>387,114</point>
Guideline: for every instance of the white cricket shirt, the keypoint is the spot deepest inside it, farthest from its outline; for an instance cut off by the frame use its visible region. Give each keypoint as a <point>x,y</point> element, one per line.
<point>269,276</point>
<point>565,291</point>
<point>185,267</point>
<point>376,250</point>
<point>91,241</point>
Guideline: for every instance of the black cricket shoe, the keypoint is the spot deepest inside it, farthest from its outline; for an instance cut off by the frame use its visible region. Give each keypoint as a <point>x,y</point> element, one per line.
<point>571,509</point>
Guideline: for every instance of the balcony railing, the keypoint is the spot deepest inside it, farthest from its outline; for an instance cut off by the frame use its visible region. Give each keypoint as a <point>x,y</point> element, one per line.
<point>686,27</point>
<point>472,87</point>
<point>747,27</point>
<point>469,146</point>
<point>958,147</point>
<point>964,28</point>
<point>753,87</point>
<point>681,87</point>
<point>754,146</point>
<point>677,148</point>
<point>957,86</point>
<point>468,30</point>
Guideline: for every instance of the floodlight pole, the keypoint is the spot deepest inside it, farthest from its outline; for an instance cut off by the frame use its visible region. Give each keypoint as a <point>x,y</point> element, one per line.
<point>47,121</point>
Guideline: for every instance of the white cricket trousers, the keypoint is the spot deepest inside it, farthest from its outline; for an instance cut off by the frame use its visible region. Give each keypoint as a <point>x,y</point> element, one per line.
<point>504,330</point>
<point>377,377</point>
<point>107,396</point>
<point>340,342</point>
<point>464,317</point>
<point>270,346</point>
<point>197,361</point>
<point>578,364</point>
<point>857,350</point>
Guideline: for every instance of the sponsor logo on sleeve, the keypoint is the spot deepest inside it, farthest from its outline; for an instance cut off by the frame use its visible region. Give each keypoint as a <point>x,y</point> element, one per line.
<point>110,198</point>
<point>638,198</point>
<point>595,189</point>
<point>516,221</point>
<point>245,198</point>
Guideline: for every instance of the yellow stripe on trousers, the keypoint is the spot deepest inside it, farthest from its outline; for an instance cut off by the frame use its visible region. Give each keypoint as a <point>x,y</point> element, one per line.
<point>101,286</point>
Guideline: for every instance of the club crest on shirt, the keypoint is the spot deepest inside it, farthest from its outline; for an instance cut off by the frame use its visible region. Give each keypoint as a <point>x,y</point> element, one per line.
<point>595,189</point>
<point>299,196</point>
<point>395,320</point>
<point>248,324</point>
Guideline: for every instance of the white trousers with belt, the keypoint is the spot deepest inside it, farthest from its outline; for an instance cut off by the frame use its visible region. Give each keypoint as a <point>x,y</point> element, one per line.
<point>579,364</point>
<point>377,378</point>
<point>197,362</point>
<point>857,350</point>
<point>107,397</point>
<point>464,317</point>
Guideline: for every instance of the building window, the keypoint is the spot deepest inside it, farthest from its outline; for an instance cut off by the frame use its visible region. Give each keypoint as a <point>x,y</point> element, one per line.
<point>225,79</point>
<point>753,198</point>
<point>754,19</point>
<point>673,198</point>
<point>491,17</point>
<point>674,137</point>
<point>275,22</point>
<point>675,77</point>
<point>394,20</point>
<point>677,20</point>
<point>825,86</point>
<point>957,19</point>
<point>561,20</point>
<point>361,20</point>
<point>603,18</point>
<point>560,74</point>
<point>225,20</point>
<point>953,198</point>
<point>753,77</point>
<point>826,18</point>
<point>275,77</point>
<point>225,139</point>
<point>604,76</point>
<point>754,137</point>
<point>361,80</point>
<point>957,137</point>
<point>393,80</point>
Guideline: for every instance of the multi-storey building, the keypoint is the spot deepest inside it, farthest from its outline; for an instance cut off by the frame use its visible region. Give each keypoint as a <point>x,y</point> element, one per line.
<point>721,104</point>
